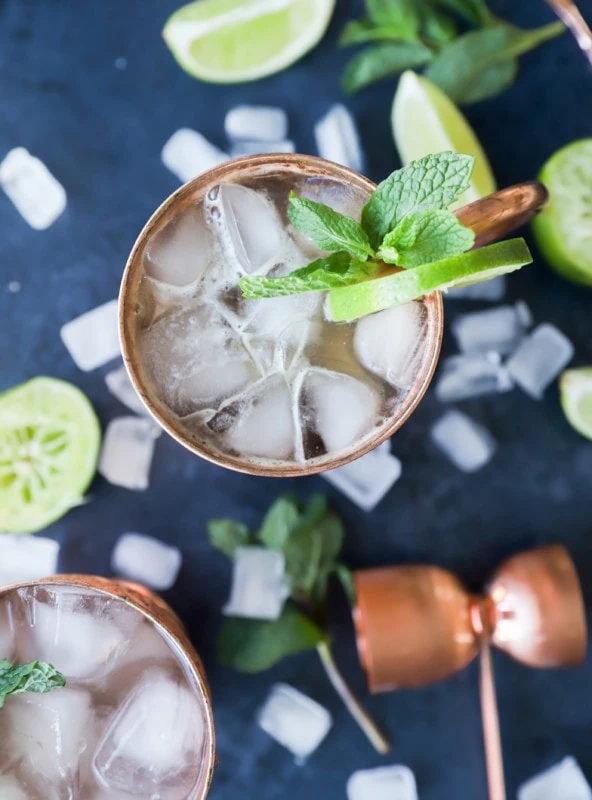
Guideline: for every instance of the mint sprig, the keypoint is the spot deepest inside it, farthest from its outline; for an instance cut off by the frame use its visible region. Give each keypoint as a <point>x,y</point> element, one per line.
<point>37,677</point>
<point>405,223</point>
<point>310,537</point>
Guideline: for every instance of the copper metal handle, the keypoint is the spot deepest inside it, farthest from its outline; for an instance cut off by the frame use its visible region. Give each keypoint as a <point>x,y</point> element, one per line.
<point>502,212</point>
<point>570,15</point>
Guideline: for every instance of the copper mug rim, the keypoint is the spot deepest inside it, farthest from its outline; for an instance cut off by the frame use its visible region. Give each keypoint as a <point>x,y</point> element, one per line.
<point>168,624</point>
<point>491,217</point>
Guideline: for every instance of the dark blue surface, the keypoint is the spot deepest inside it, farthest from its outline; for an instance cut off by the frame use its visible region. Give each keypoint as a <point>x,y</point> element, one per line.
<point>100,130</point>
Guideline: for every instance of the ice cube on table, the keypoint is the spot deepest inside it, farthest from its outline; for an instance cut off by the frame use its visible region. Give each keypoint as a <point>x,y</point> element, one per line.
<point>564,781</point>
<point>24,558</point>
<point>367,479</point>
<point>155,740</point>
<point>491,291</point>
<point>500,329</point>
<point>126,455</point>
<point>80,634</point>
<point>338,140</point>
<point>390,343</point>
<point>121,387</point>
<point>249,148</point>
<point>469,445</point>
<point>339,408</point>
<point>11,789</point>
<point>146,560</point>
<point>258,123</point>
<point>540,359</point>
<point>93,338</point>
<point>259,584</point>
<point>382,783</point>
<point>37,195</point>
<point>294,720</point>
<point>472,375</point>
<point>188,154</point>
<point>181,252</point>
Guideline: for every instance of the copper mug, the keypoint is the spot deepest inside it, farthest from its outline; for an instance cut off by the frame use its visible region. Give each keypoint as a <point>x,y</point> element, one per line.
<point>490,218</point>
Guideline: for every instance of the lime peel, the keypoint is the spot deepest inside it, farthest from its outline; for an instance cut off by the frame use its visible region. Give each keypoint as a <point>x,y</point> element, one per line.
<point>575,386</point>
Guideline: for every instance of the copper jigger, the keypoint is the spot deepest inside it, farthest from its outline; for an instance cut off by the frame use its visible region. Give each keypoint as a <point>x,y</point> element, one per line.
<point>156,611</point>
<point>418,624</point>
<point>491,217</point>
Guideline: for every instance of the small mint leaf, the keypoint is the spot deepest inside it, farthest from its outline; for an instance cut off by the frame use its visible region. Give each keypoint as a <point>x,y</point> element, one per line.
<point>475,12</point>
<point>361,31</point>
<point>338,269</point>
<point>328,229</point>
<point>279,522</point>
<point>346,578</point>
<point>424,237</point>
<point>227,535</point>
<point>37,677</point>
<point>431,183</point>
<point>381,61</point>
<point>401,13</point>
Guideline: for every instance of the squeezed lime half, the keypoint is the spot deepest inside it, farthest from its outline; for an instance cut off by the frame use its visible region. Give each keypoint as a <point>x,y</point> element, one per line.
<point>49,446</point>
<point>576,399</point>
<point>351,302</point>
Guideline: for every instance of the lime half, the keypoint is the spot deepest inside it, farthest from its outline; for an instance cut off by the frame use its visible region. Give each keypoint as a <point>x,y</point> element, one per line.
<point>49,446</point>
<point>563,229</point>
<point>401,287</point>
<point>232,41</point>
<point>426,121</point>
<point>576,399</point>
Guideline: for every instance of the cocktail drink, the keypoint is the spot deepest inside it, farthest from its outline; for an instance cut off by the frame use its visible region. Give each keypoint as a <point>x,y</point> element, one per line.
<point>134,719</point>
<point>264,386</point>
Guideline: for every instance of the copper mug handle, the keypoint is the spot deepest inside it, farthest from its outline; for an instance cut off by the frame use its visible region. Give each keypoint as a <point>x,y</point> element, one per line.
<point>498,214</point>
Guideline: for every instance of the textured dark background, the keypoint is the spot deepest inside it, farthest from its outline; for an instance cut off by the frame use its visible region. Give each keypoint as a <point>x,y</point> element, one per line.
<point>100,130</point>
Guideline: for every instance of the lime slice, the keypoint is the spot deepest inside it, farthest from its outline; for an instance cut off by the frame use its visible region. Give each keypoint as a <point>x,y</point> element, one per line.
<point>49,445</point>
<point>426,121</point>
<point>576,398</point>
<point>351,302</point>
<point>563,229</point>
<point>232,41</point>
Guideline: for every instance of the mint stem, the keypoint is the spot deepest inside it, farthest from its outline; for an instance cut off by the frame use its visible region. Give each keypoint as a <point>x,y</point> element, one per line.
<point>353,705</point>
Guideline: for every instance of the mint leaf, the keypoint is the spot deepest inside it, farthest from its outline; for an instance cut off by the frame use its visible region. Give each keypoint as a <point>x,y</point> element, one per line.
<point>360,31</point>
<point>338,269</point>
<point>279,522</point>
<point>482,63</point>
<point>401,13</point>
<point>382,61</point>
<point>437,28</point>
<point>346,578</point>
<point>328,229</point>
<point>424,237</point>
<point>37,677</point>
<point>227,535</point>
<point>429,184</point>
<point>250,645</point>
<point>475,12</point>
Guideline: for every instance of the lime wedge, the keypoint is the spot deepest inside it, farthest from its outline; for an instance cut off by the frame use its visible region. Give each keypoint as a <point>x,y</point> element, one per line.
<point>563,229</point>
<point>232,41</point>
<point>426,121</point>
<point>576,399</point>
<point>49,445</point>
<point>351,302</point>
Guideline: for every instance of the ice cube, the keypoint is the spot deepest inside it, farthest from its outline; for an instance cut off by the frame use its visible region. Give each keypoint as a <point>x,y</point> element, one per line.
<point>472,375</point>
<point>146,560</point>
<point>259,123</point>
<point>24,558</point>
<point>390,343</point>
<point>11,789</point>
<point>121,387</point>
<point>294,720</point>
<point>339,408</point>
<point>49,733</point>
<point>540,359</point>
<point>248,148</point>
<point>382,783</point>
<point>367,479</point>
<point>338,140</point>
<point>259,584</point>
<point>260,422</point>
<point>126,455</point>
<point>467,444</point>
<point>500,329</point>
<point>187,154</point>
<point>180,253</point>
<point>81,634</point>
<point>37,195</point>
<point>93,339</point>
<point>492,290</point>
<point>155,740</point>
<point>564,781</point>
<point>6,633</point>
